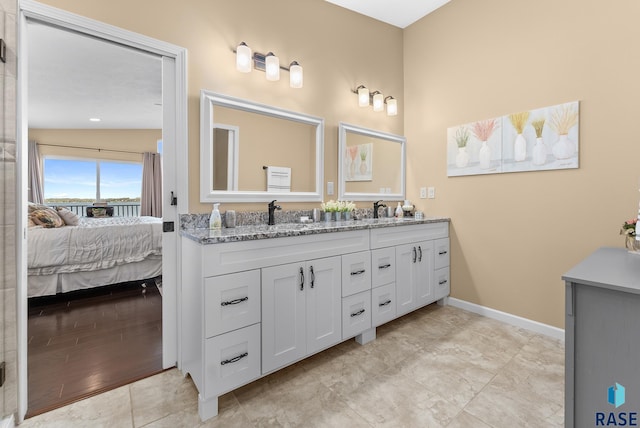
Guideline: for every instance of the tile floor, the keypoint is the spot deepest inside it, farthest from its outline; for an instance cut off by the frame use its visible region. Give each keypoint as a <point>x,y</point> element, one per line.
<point>437,367</point>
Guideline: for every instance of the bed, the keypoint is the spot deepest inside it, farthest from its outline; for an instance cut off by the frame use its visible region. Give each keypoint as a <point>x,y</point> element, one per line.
<point>92,253</point>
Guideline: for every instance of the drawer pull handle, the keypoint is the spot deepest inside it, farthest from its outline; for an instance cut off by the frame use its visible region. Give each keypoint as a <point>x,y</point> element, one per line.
<point>355,314</point>
<point>442,253</point>
<point>443,282</point>
<point>234,359</point>
<point>384,303</point>
<point>420,252</point>
<point>358,272</point>
<point>387,266</point>
<point>313,276</point>
<point>301,279</point>
<point>235,301</point>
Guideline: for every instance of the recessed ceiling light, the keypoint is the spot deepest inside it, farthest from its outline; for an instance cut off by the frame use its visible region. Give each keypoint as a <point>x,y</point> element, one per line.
<point>94,119</point>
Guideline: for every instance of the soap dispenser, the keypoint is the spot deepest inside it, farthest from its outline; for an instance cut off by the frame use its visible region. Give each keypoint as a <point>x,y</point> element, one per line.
<point>399,213</point>
<point>215,221</point>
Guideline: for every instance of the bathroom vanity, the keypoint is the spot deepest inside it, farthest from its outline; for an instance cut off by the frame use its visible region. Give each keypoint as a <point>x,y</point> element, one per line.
<point>258,298</point>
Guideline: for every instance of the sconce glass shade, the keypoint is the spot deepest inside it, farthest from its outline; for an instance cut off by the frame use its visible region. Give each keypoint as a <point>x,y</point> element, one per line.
<point>363,96</point>
<point>378,101</point>
<point>243,58</point>
<point>272,67</point>
<point>295,75</point>
<point>392,106</point>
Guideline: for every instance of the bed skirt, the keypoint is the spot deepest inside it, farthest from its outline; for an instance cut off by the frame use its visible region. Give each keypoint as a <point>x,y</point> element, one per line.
<point>47,285</point>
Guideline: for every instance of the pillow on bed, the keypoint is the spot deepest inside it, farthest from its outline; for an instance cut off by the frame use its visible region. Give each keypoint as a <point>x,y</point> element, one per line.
<point>46,217</point>
<point>33,206</point>
<point>69,217</point>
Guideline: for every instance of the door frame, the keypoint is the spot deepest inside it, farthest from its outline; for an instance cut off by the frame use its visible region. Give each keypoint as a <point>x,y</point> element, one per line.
<point>175,142</point>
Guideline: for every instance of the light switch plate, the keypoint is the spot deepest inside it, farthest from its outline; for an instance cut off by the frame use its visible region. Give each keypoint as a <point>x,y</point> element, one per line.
<point>423,193</point>
<point>330,189</point>
<point>431,193</point>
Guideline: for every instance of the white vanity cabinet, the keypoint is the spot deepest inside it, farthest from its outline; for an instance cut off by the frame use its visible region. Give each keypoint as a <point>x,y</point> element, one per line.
<point>415,262</point>
<point>414,276</point>
<point>250,307</point>
<point>383,285</point>
<point>300,310</point>
<point>442,257</point>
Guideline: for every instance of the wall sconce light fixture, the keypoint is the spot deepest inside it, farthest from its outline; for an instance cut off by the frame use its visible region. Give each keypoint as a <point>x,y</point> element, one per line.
<point>268,63</point>
<point>377,100</point>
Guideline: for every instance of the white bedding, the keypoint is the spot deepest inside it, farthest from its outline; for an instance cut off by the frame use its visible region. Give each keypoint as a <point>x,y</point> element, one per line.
<point>96,243</point>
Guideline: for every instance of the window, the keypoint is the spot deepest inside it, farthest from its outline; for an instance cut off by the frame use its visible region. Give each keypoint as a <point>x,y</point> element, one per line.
<point>82,180</point>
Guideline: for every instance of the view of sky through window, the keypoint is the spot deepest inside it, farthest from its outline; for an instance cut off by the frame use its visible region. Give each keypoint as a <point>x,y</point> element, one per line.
<point>70,179</point>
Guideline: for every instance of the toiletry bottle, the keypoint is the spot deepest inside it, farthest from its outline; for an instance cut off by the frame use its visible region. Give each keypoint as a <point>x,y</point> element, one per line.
<point>399,213</point>
<point>215,221</point>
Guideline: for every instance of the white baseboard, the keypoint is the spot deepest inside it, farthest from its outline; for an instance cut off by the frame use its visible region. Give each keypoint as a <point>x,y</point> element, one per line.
<point>7,422</point>
<point>547,330</point>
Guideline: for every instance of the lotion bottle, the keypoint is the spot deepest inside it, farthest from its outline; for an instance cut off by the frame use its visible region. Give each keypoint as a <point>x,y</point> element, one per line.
<point>399,213</point>
<point>215,221</point>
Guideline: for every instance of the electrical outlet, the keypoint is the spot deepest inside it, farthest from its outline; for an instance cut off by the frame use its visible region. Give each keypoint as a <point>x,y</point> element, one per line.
<point>423,193</point>
<point>329,187</point>
<point>431,193</point>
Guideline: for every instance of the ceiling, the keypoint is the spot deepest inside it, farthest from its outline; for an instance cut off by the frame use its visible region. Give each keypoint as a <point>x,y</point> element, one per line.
<point>73,77</point>
<point>400,13</point>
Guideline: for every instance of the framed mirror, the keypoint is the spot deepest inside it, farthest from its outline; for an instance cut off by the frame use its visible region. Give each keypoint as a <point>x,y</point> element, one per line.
<point>372,164</point>
<point>252,152</point>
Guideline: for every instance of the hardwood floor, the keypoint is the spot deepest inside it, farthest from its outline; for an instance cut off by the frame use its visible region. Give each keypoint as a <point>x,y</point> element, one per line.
<point>88,342</point>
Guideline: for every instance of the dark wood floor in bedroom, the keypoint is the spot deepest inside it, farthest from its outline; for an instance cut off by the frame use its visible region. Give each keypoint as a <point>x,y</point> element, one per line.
<point>84,343</point>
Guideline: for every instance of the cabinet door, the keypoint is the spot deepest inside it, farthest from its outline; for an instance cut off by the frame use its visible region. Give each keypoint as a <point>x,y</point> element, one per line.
<point>231,360</point>
<point>383,266</point>
<point>283,315</point>
<point>442,256</point>
<point>442,283</point>
<point>406,258</point>
<point>356,273</point>
<point>356,314</point>
<point>383,304</point>
<point>231,302</point>
<point>324,327</point>
<point>424,274</point>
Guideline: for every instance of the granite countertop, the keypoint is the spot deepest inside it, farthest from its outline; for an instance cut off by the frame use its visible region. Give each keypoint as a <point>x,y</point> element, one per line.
<point>610,268</point>
<point>263,231</point>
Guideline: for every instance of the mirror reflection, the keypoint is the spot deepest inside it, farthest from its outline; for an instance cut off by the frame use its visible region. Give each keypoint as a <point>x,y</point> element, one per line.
<point>372,164</point>
<point>252,152</point>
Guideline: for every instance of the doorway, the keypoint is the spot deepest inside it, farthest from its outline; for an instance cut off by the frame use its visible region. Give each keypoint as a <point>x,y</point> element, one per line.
<point>174,129</point>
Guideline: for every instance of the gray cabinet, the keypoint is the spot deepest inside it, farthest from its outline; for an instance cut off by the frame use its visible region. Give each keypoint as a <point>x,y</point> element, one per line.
<point>602,339</point>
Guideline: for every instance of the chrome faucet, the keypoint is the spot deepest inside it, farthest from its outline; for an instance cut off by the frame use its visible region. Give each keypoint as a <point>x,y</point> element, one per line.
<point>272,208</point>
<point>377,205</point>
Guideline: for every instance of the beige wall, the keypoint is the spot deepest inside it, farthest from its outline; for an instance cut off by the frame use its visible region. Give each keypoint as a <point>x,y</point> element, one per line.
<point>338,49</point>
<point>514,235</point>
<point>136,141</point>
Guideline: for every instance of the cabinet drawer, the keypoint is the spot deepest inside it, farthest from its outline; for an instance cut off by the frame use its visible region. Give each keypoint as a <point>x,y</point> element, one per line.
<point>383,266</point>
<point>442,253</point>
<point>356,273</point>
<point>443,284</point>
<point>356,314</point>
<point>231,360</point>
<point>383,304</point>
<point>231,302</point>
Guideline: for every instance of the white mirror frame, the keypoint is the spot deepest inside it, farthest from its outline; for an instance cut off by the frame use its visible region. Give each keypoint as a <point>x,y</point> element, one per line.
<point>210,99</point>
<point>343,128</point>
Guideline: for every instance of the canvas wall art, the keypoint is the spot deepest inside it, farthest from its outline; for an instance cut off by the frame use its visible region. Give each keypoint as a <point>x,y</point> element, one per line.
<point>540,139</point>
